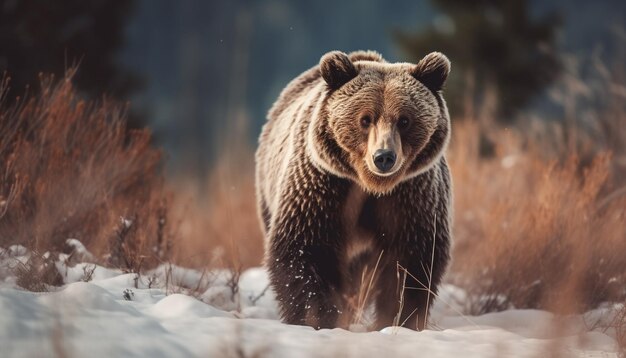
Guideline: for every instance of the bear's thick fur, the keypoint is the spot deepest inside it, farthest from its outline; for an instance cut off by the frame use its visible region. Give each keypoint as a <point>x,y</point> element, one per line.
<point>351,176</point>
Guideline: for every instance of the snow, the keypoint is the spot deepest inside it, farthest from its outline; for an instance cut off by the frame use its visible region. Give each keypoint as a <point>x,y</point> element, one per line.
<point>179,312</point>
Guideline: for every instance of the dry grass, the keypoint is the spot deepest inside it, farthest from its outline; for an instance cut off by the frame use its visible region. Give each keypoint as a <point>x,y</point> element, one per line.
<point>532,232</point>
<point>620,330</point>
<point>541,222</point>
<point>70,169</point>
<point>617,327</point>
<point>219,228</point>
<point>360,303</point>
<point>38,273</point>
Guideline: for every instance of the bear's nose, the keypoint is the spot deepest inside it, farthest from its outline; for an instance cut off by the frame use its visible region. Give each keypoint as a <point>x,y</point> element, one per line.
<point>384,159</point>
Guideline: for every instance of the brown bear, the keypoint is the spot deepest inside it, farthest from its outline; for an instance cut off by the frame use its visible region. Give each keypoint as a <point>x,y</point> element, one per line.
<point>350,175</point>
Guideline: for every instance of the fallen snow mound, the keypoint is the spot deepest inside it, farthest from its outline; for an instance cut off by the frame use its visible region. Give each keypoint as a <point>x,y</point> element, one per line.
<point>155,315</point>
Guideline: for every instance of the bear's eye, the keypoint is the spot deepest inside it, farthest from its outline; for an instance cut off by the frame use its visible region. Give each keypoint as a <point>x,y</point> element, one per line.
<point>403,122</point>
<point>366,121</point>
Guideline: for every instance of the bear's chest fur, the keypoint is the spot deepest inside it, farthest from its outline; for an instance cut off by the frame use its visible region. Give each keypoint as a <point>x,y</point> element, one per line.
<point>359,233</point>
<point>365,224</point>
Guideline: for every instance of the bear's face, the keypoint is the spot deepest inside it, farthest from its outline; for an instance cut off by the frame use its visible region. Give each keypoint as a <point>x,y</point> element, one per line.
<point>388,119</point>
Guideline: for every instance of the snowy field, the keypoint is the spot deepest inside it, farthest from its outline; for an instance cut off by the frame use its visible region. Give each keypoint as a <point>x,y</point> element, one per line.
<point>177,312</point>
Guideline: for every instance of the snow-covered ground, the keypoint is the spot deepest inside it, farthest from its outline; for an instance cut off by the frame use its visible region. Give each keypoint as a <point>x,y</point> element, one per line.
<point>120,315</point>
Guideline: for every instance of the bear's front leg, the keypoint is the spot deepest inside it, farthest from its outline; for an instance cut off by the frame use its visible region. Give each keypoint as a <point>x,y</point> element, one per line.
<point>303,261</point>
<point>407,291</point>
<point>307,284</point>
<point>411,277</point>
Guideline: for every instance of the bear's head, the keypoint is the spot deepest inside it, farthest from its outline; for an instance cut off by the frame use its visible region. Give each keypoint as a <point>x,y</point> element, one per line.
<point>380,123</point>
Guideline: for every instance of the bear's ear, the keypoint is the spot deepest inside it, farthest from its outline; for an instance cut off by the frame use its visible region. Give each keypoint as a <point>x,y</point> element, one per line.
<point>337,69</point>
<point>432,70</point>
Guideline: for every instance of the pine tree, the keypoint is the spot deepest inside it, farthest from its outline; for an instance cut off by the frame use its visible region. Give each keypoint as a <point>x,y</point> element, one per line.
<point>43,36</point>
<point>491,43</point>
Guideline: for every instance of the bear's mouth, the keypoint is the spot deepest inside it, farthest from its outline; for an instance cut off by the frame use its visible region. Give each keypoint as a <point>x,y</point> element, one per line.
<point>376,182</point>
<point>391,172</point>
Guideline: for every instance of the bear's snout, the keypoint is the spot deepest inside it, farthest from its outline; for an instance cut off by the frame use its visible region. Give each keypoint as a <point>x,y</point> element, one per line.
<point>384,159</point>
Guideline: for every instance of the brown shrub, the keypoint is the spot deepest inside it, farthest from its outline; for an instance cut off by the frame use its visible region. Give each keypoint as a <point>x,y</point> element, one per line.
<point>219,228</point>
<point>541,221</point>
<point>38,273</point>
<point>532,232</point>
<point>69,168</point>
<point>618,324</point>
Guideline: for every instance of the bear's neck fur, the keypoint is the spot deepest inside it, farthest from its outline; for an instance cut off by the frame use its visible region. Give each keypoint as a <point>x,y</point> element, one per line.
<point>322,147</point>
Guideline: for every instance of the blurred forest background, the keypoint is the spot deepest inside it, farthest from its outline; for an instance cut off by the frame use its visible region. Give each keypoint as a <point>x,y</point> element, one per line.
<point>194,70</point>
<point>537,96</point>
